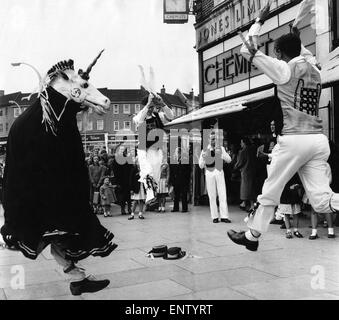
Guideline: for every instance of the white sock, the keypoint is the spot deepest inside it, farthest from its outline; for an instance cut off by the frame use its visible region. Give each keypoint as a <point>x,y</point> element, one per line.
<point>288,230</point>
<point>249,236</point>
<point>330,231</point>
<point>314,232</point>
<point>295,229</point>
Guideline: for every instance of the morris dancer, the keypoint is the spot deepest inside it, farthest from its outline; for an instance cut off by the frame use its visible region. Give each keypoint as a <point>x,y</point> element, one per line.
<point>303,147</point>
<point>153,115</point>
<point>46,195</point>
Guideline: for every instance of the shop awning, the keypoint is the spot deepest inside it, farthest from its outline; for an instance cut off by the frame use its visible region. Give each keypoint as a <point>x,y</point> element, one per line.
<point>330,69</point>
<point>222,108</point>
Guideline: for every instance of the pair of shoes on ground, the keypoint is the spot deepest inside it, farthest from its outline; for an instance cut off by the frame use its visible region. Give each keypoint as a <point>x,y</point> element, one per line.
<point>87,285</point>
<point>161,210</point>
<point>296,233</point>
<point>216,220</point>
<point>131,217</point>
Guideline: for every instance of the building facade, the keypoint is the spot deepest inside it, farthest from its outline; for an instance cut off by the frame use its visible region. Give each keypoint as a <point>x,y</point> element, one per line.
<point>226,78</point>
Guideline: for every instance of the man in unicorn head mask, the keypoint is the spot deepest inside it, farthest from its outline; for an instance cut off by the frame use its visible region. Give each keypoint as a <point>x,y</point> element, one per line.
<point>303,147</point>
<point>149,122</point>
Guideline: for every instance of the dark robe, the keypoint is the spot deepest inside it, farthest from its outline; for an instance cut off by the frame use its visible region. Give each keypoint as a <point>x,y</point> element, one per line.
<point>46,185</point>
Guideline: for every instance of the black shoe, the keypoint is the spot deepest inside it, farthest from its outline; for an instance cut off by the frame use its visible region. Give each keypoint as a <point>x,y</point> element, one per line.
<point>184,210</point>
<point>131,217</point>
<point>141,217</point>
<point>275,221</point>
<point>86,285</point>
<point>239,238</point>
<point>216,220</point>
<point>283,226</point>
<point>174,210</point>
<point>225,220</point>
<point>298,234</point>
<point>331,236</point>
<point>313,237</point>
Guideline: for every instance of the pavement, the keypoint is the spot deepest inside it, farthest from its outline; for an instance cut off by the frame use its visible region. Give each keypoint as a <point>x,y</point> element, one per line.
<point>213,268</point>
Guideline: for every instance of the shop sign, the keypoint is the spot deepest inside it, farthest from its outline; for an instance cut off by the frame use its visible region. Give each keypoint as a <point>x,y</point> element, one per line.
<point>231,67</point>
<point>93,137</point>
<point>176,11</point>
<point>235,15</point>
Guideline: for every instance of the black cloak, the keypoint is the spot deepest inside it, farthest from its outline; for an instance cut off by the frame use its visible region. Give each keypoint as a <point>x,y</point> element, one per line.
<point>46,185</point>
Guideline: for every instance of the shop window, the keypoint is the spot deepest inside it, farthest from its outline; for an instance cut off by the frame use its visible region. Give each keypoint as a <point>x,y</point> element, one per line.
<point>127,109</point>
<point>137,108</point>
<point>6,111</point>
<point>7,126</point>
<point>1,112</point>
<point>115,109</point>
<point>1,127</point>
<point>100,124</point>
<point>179,112</point>
<point>116,126</point>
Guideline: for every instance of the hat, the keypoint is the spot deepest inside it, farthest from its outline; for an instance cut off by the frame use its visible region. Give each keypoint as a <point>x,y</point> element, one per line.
<point>159,251</point>
<point>174,253</point>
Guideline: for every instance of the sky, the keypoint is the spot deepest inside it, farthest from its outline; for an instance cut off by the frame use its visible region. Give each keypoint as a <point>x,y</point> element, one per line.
<point>132,32</point>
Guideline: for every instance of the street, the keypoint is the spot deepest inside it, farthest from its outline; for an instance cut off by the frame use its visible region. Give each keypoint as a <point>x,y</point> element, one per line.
<point>213,268</point>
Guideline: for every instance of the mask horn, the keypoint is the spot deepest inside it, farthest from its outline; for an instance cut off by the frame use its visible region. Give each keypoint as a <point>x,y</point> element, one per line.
<point>85,75</point>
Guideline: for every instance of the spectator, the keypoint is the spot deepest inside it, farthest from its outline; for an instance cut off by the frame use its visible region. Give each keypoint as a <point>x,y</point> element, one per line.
<point>246,163</point>
<point>180,176</point>
<point>328,216</point>
<point>107,197</point>
<point>96,174</point>
<point>163,184</point>
<point>290,206</point>
<point>212,159</point>
<point>122,173</point>
<point>138,193</point>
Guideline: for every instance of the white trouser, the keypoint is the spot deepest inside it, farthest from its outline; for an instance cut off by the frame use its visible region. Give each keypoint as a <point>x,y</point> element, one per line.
<point>215,184</point>
<point>73,272</point>
<point>307,155</point>
<point>150,163</point>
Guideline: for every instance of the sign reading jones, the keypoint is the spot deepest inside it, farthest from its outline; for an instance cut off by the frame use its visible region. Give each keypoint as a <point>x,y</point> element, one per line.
<point>234,15</point>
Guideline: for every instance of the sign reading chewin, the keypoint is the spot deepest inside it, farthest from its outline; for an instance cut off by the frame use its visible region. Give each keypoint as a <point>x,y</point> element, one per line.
<point>176,11</point>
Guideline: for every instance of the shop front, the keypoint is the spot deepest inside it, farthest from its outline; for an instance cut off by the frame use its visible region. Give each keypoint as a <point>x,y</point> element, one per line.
<point>235,96</point>
<point>94,141</point>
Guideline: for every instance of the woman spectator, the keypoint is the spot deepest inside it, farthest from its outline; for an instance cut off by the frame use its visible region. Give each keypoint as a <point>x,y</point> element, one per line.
<point>163,184</point>
<point>246,163</point>
<point>96,174</point>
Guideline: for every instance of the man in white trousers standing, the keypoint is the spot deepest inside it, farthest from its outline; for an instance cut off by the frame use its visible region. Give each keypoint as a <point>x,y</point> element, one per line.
<point>303,147</point>
<point>149,123</point>
<point>212,160</point>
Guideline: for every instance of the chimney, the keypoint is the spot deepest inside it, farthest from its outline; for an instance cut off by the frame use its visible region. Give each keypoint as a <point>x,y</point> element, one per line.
<point>163,90</point>
<point>2,93</point>
<point>192,94</point>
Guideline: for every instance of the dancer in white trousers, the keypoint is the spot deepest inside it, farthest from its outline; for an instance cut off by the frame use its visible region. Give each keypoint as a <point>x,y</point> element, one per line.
<point>212,160</point>
<point>149,123</point>
<point>303,147</point>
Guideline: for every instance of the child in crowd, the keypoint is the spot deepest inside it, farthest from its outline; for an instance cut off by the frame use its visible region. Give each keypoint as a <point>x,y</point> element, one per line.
<point>163,184</point>
<point>290,206</point>
<point>138,192</point>
<point>107,197</point>
<point>328,217</point>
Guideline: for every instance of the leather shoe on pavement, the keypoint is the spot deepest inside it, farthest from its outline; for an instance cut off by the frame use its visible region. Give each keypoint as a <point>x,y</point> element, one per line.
<point>225,220</point>
<point>87,285</point>
<point>239,238</point>
<point>216,220</point>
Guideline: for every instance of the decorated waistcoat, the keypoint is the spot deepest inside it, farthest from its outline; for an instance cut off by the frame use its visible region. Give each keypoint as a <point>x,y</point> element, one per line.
<point>214,160</point>
<point>299,99</point>
<point>152,123</point>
